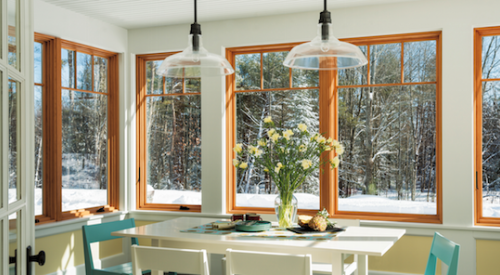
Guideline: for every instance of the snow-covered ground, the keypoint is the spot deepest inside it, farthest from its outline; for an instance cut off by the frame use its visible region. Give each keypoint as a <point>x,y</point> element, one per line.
<point>81,198</point>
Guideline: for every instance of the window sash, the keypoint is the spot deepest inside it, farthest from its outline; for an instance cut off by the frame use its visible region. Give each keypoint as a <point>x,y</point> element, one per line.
<point>329,127</point>
<point>52,130</point>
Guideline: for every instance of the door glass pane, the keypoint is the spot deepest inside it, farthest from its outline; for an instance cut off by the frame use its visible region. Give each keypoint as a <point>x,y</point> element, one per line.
<point>276,75</point>
<point>173,134</point>
<point>389,135</point>
<point>305,78</point>
<point>67,68</point>
<point>13,139</point>
<point>254,187</point>
<point>100,74</point>
<point>491,58</point>
<point>247,72</point>
<point>84,150</point>
<point>38,150</point>
<point>174,85</point>
<point>420,61</point>
<point>13,32</point>
<point>14,240</point>
<point>491,149</point>
<point>192,85</point>
<point>385,63</point>
<point>154,82</point>
<point>84,71</point>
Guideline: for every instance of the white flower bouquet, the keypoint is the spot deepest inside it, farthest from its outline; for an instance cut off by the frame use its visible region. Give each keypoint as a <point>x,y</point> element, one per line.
<point>288,156</point>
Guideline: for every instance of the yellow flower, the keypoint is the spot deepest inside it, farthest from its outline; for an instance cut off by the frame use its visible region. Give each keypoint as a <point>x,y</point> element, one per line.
<point>279,165</point>
<point>306,163</point>
<point>262,142</point>
<point>302,127</point>
<point>321,139</point>
<point>335,162</point>
<point>315,137</point>
<point>275,137</point>
<point>266,170</point>
<point>328,148</point>
<point>335,143</point>
<point>276,170</point>
<point>236,162</point>
<point>238,148</point>
<point>270,132</point>
<point>268,119</point>
<point>302,148</point>
<point>287,134</point>
<point>252,149</point>
<point>282,149</point>
<point>258,152</point>
<point>243,165</point>
<point>329,140</point>
<point>339,149</point>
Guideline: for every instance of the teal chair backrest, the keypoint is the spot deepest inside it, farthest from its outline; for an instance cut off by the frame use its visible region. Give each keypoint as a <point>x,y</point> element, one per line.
<point>101,232</point>
<point>445,250</point>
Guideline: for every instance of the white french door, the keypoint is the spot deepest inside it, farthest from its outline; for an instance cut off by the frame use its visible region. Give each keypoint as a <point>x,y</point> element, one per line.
<point>17,136</point>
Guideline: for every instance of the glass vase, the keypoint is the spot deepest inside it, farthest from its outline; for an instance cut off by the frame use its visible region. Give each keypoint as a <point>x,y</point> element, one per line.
<point>286,207</point>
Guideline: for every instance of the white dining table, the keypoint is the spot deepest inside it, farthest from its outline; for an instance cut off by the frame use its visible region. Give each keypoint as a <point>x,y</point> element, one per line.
<point>362,241</point>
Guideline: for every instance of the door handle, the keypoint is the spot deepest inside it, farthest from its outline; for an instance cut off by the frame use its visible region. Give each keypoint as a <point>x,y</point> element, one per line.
<point>40,259</point>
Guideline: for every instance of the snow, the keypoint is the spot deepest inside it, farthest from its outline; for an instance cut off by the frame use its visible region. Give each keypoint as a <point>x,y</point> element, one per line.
<point>81,198</point>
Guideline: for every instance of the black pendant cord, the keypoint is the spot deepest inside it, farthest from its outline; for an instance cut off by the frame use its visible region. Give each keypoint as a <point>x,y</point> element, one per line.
<point>325,18</point>
<point>196,30</point>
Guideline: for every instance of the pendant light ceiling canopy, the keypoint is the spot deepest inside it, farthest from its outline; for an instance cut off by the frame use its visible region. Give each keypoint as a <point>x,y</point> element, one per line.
<point>325,52</point>
<point>195,61</point>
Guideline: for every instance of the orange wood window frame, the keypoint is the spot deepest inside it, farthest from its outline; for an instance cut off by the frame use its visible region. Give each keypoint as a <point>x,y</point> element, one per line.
<point>141,151</point>
<point>52,130</point>
<point>329,126</point>
<point>479,33</point>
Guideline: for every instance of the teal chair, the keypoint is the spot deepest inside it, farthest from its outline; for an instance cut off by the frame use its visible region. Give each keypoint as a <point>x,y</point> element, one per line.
<point>447,251</point>
<point>102,232</point>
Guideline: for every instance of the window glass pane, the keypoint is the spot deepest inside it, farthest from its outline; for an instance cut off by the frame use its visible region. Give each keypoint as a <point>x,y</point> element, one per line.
<point>173,85</point>
<point>254,188</point>
<point>385,63</point>
<point>305,78</point>
<point>13,32</point>
<point>13,139</point>
<point>173,133</point>
<point>38,62</point>
<point>491,57</point>
<point>100,74</point>
<point>354,76</point>
<point>84,71</point>
<point>491,149</point>
<point>276,75</point>
<point>192,85</point>
<point>38,151</point>
<point>389,135</point>
<point>420,61</point>
<point>84,150</point>
<point>154,82</point>
<point>247,72</point>
<point>67,68</point>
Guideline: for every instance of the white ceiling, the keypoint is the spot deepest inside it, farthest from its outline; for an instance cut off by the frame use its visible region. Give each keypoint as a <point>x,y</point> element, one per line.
<point>133,14</point>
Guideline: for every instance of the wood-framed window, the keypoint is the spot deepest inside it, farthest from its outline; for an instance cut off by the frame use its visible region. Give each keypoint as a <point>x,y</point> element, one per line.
<point>487,125</point>
<point>394,103</point>
<point>76,136</point>
<point>168,138</point>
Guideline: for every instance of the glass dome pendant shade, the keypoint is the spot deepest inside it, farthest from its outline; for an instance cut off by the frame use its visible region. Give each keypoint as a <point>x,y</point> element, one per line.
<point>325,52</point>
<point>195,61</point>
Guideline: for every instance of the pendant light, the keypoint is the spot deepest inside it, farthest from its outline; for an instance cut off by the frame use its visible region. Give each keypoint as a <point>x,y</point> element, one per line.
<point>325,52</point>
<point>195,61</point>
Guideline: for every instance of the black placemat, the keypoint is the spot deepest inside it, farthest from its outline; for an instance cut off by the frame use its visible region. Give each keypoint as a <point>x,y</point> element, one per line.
<point>308,230</point>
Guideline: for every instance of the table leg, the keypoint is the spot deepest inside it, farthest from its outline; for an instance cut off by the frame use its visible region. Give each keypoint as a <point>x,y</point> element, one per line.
<point>362,264</point>
<point>337,264</point>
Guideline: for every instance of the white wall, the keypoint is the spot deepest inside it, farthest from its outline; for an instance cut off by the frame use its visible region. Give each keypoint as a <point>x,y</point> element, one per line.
<point>59,22</point>
<point>456,19</point>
